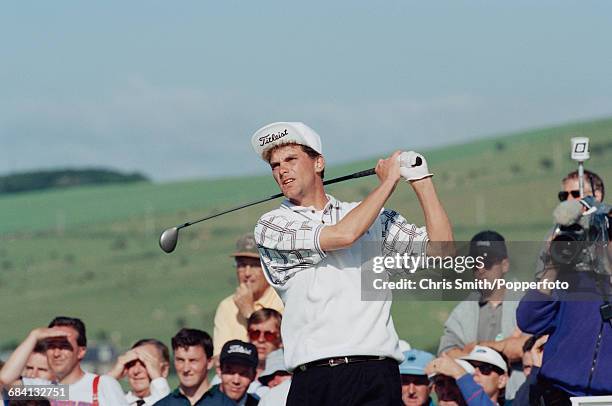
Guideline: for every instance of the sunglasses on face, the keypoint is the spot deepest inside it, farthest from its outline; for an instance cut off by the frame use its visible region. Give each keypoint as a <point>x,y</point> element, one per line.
<point>486,369</point>
<point>269,336</point>
<point>563,195</point>
<point>417,380</point>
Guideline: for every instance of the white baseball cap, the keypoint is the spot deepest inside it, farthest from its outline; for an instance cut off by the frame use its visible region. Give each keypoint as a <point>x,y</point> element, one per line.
<point>487,355</point>
<point>283,133</point>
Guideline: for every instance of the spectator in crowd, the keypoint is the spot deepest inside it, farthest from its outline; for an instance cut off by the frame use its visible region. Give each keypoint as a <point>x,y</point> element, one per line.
<point>593,186</point>
<point>528,356</point>
<point>486,386</point>
<point>529,393</point>
<point>237,366</point>
<point>575,326</point>
<point>146,366</point>
<point>488,317</point>
<point>415,383</point>
<point>311,250</point>
<point>253,293</point>
<point>264,332</point>
<point>445,387</point>
<point>37,365</point>
<point>276,371</point>
<point>193,351</point>
<point>66,344</point>
<point>277,378</point>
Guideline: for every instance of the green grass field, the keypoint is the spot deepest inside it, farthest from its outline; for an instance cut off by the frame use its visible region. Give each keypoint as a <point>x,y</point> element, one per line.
<point>92,252</point>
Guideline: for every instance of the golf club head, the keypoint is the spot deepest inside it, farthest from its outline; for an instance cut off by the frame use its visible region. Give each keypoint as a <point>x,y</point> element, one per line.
<point>168,239</point>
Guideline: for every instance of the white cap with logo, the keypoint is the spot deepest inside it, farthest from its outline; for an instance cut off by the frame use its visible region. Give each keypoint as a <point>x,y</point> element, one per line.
<point>487,355</point>
<point>283,133</point>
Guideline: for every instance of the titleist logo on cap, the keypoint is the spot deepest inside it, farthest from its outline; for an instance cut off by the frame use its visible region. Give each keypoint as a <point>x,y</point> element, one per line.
<point>268,138</point>
<point>238,348</point>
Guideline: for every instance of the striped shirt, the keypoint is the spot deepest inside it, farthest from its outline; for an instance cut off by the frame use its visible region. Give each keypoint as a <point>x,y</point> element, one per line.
<point>325,315</point>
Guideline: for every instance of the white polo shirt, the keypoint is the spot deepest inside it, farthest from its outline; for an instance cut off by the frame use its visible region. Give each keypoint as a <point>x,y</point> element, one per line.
<point>324,315</point>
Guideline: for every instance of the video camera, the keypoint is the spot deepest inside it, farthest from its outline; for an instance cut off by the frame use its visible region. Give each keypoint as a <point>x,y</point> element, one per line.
<point>582,231</point>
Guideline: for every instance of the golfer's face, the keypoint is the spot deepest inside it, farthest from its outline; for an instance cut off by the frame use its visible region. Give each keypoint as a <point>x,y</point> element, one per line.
<point>294,171</point>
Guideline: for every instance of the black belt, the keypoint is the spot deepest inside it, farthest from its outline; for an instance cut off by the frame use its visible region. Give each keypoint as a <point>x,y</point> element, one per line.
<point>335,361</point>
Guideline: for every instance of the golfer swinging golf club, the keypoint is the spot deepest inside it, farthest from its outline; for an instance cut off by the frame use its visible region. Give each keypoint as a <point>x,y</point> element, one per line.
<point>342,350</point>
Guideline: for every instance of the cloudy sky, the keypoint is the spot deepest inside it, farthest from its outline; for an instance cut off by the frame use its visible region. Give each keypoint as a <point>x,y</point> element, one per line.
<point>175,89</point>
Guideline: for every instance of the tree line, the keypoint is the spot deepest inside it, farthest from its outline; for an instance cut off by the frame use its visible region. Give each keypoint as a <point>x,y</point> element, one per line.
<point>62,178</point>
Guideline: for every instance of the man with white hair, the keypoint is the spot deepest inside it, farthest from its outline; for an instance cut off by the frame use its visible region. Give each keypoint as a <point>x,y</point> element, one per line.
<point>342,349</point>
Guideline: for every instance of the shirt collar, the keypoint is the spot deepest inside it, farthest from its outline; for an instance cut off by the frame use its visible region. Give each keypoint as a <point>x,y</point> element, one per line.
<point>266,298</point>
<point>331,202</point>
<point>131,398</point>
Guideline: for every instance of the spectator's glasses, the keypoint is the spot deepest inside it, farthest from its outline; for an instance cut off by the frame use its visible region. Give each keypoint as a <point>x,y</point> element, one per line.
<point>486,369</point>
<point>563,195</point>
<point>417,380</point>
<point>269,336</point>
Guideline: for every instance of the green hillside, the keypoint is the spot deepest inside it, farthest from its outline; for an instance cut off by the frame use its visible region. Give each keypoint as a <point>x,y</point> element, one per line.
<point>92,251</point>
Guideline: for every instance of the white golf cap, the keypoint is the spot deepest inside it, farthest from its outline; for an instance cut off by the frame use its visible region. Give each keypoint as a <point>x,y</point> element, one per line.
<point>487,355</point>
<point>283,133</point>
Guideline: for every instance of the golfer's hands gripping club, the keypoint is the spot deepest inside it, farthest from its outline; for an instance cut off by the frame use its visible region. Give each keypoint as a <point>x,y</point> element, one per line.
<point>413,166</point>
<point>388,170</point>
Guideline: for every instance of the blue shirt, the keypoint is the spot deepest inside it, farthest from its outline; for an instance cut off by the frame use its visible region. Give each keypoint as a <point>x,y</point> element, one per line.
<point>210,398</point>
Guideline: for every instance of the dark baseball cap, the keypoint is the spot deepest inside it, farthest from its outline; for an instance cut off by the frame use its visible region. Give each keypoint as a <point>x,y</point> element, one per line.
<point>490,245</point>
<point>246,247</point>
<point>239,352</point>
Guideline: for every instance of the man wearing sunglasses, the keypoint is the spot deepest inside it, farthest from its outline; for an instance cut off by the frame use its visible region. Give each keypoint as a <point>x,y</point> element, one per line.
<point>253,293</point>
<point>593,186</point>
<point>415,383</point>
<point>578,356</point>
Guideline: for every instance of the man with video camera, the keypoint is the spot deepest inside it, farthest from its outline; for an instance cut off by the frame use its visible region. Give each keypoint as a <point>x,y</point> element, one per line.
<point>578,355</point>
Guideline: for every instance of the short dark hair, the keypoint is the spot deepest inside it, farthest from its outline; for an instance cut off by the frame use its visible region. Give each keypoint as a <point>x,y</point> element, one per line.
<point>39,348</point>
<point>161,347</point>
<point>261,315</point>
<point>309,151</point>
<point>190,337</point>
<point>75,323</point>
<point>591,178</point>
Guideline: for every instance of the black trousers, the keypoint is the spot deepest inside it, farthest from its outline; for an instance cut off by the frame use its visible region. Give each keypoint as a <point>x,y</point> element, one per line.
<point>366,383</point>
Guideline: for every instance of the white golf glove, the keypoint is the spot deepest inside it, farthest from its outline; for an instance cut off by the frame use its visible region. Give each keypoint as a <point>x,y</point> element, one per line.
<point>413,166</point>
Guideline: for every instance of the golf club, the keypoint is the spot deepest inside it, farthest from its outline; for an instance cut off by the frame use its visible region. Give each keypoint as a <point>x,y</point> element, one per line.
<point>169,238</point>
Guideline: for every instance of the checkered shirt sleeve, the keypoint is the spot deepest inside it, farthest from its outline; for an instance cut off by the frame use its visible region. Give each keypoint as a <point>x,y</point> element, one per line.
<point>287,246</point>
<point>399,236</point>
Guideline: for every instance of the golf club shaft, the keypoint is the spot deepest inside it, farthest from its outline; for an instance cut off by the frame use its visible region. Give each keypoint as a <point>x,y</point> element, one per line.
<point>355,175</point>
